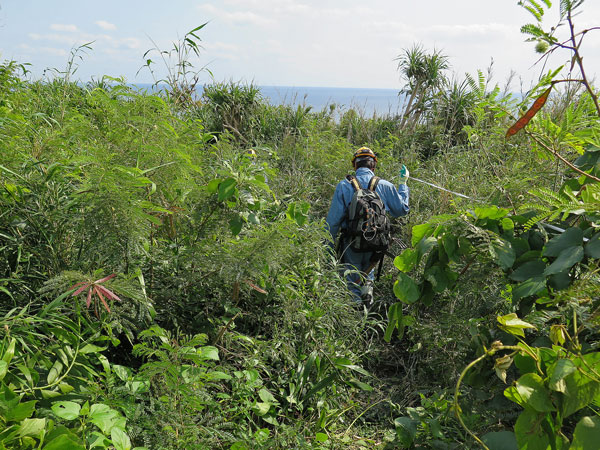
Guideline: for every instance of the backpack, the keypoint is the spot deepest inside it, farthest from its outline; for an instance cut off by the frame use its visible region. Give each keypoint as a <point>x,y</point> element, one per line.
<point>368,224</point>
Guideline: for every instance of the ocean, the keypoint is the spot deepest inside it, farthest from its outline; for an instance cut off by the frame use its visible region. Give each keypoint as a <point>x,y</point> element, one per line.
<point>366,102</point>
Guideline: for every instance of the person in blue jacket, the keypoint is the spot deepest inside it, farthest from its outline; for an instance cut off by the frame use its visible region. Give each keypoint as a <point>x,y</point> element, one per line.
<point>396,204</point>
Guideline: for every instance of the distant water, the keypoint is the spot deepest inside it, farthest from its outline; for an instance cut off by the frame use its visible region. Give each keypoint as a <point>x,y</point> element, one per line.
<point>366,102</point>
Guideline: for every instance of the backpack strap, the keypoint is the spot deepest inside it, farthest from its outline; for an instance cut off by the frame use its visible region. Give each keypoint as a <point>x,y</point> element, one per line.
<point>373,183</point>
<point>354,182</point>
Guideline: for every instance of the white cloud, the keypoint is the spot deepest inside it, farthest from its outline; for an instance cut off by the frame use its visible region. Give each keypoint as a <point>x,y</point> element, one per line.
<point>63,27</point>
<point>69,39</point>
<point>106,25</point>
<point>237,17</point>
<point>97,40</point>
<point>220,46</point>
<point>52,51</point>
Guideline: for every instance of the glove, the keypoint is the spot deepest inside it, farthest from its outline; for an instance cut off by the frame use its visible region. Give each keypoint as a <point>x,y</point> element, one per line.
<point>404,174</point>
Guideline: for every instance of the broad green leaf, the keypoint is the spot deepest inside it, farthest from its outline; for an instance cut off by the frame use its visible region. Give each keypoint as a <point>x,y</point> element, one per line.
<point>216,375</point>
<point>521,248</point>
<point>500,440</point>
<point>435,428</point>
<point>587,434</point>
<point>557,374</point>
<point>120,439</point>
<point>566,259</point>
<point>213,185</point>
<point>425,245</point>
<point>525,363</point>
<point>450,244</point>
<point>3,369</point>
<point>105,418</point>
<point>406,430</point>
<point>121,371</point>
<point>236,224</point>
<point>97,439</point>
<point>588,160</point>
<point>227,189</point>
<point>48,394</point>
<point>8,354</point>
<point>513,325</point>
<point>62,442</point>
<point>54,372</point>
<point>421,231</point>
<point>20,411</point>
<point>427,293</point>
<point>66,410</point>
<point>407,260</point>
<point>530,430</point>
<point>529,255</point>
<point>91,348</point>
<point>464,246</point>
<point>503,253</point>
<point>321,437</point>
<point>267,397</point>
<point>298,212</point>
<point>507,224</point>
<point>32,427</point>
<point>65,388</point>
<point>560,281</point>
<point>528,287</point>
<point>534,394</point>
<point>531,269</point>
<point>572,237</point>
<point>262,408</point>
<point>557,334</point>
<point>406,289</point>
<point>490,212</point>
<point>437,277</point>
<point>512,394</point>
<point>592,247</point>
<point>209,352</point>
<point>580,389</point>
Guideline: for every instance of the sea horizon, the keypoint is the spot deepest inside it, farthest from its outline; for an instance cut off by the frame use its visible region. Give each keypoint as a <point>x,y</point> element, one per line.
<point>365,101</point>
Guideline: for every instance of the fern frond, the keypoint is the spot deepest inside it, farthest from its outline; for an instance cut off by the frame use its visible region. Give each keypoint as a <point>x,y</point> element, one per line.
<point>549,197</point>
<point>534,220</point>
<point>537,207</point>
<point>565,7</point>
<point>541,318</point>
<point>533,10</point>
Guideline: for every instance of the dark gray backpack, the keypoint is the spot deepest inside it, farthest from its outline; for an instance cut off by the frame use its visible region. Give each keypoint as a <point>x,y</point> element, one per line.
<point>368,224</point>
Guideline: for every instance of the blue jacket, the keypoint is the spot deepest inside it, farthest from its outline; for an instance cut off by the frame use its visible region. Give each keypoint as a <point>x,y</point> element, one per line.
<point>395,200</point>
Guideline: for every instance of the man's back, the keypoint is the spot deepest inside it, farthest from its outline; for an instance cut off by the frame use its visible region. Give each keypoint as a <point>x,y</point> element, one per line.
<point>395,200</point>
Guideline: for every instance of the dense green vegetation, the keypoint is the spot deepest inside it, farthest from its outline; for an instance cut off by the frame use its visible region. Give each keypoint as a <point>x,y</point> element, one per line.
<point>162,288</point>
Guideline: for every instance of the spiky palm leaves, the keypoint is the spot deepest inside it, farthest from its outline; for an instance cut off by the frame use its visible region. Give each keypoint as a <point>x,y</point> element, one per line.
<point>424,75</point>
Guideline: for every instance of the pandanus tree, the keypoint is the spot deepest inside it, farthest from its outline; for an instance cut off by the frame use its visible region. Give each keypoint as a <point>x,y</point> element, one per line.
<point>424,75</point>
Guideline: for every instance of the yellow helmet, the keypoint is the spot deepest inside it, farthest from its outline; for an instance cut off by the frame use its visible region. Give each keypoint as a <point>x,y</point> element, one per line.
<point>363,152</point>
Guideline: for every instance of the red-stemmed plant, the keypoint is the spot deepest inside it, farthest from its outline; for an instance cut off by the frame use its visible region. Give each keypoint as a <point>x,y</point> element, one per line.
<point>97,291</point>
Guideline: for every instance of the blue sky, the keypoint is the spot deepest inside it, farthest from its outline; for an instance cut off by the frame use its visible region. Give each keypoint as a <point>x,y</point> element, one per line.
<point>338,43</point>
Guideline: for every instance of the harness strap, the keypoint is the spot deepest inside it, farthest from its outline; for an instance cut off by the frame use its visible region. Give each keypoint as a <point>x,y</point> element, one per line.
<point>373,183</point>
<point>354,182</point>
